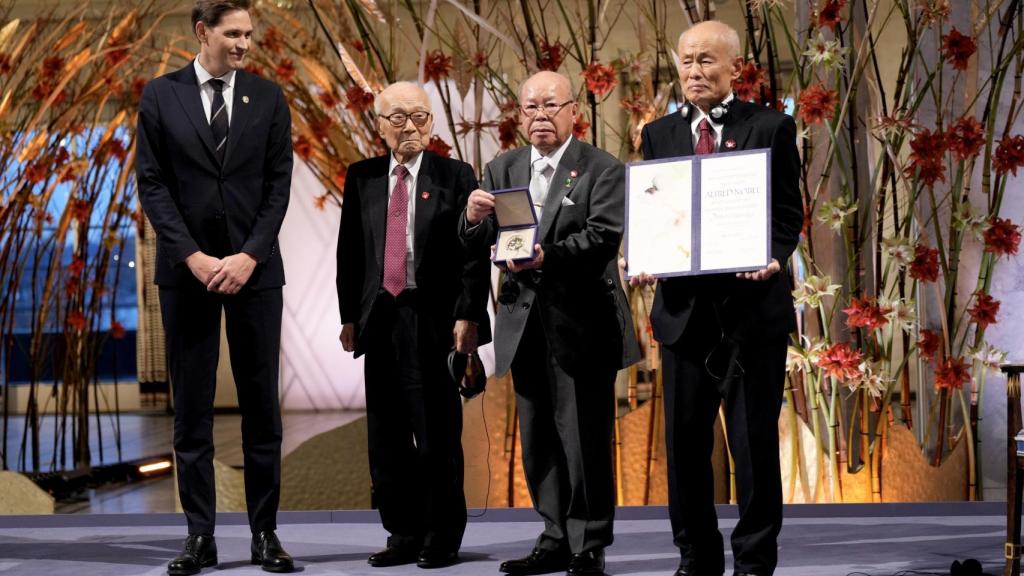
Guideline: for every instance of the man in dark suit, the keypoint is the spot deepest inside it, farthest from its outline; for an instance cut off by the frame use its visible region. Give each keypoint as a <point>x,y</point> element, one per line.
<point>724,336</point>
<point>214,171</point>
<point>408,295</point>
<point>565,328</point>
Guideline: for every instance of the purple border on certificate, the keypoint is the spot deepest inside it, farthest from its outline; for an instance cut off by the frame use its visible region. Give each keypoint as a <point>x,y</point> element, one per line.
<point>695,228</point>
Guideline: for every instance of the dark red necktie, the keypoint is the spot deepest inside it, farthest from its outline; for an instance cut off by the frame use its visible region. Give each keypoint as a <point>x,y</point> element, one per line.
<point>394,238</point>
<point>706,139</point>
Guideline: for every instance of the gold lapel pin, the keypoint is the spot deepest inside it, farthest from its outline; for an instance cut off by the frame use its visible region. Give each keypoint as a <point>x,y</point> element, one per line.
<point>245,99</point>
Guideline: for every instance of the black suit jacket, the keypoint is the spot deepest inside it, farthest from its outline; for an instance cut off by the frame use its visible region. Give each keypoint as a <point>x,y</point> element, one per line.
<point>190,198</point>
<point>451,285</point>
<point>579,297</point>
<point>746,308</point>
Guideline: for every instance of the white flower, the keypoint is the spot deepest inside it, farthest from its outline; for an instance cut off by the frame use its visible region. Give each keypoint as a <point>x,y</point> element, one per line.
<point>900,250</point>
<point>826,53</point>
<point>813,289</point>
<point>964,218</point>
<point>871,380</point>
<point>988,355</point>
<point>902,313</point>
<point>835,212</point>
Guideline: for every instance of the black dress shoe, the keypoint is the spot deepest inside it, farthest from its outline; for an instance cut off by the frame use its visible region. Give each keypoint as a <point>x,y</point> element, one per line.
<point>267,552</point>
<point>200,552</point>
<point>540,561</point>
<point>393,556</point>
<point>590,563</point>
<point>436,558</point>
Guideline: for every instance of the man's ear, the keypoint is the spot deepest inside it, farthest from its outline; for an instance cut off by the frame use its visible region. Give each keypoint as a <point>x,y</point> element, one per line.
<point>201,31</point>
<point>737,67</point>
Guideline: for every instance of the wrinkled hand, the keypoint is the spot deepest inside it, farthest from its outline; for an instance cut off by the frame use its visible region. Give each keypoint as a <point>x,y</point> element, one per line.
<point>348,337</point>
<point>641,279</point>
<point>233,274</point>
<point>203,267</point>
<point>535,264</point>
<point>465,335</point>
<point>479,206</point>
<point>762,274</point>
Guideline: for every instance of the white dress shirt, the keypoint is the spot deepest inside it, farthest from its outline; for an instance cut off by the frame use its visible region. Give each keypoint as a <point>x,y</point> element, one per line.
<point>410,227</point>
<point>552,160</point>
<point>696,115</point>
<point>206,90</point>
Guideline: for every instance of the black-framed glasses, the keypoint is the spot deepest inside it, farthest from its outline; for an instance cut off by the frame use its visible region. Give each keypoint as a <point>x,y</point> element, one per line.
<point>398,119</point>
<point>550,109</point>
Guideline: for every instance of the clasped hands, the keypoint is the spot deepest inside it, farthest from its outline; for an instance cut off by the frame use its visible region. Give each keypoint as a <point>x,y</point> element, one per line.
<point>222,275</point>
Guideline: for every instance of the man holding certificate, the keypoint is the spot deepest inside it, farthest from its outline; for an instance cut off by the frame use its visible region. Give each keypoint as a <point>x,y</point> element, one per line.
<point>724,334</point>
<point>561,319</point>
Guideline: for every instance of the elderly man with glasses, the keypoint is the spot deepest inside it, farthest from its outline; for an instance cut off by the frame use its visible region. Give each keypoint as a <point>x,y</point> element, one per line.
<point>408,295</point>
<point>564,327</point>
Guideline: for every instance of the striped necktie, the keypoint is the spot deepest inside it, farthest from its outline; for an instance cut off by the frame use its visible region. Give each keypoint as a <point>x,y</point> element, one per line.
<point>219,119</point>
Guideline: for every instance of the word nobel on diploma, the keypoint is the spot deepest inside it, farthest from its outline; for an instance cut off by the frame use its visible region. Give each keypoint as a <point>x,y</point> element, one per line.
<point>699,215</point>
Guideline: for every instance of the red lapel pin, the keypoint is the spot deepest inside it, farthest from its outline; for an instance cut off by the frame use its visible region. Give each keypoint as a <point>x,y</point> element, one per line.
<point>730,144</point>
<point>425,195</point>
<point>573,173</point>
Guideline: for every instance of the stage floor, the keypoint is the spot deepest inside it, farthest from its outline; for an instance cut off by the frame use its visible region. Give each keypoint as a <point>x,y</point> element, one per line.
<point>818,540</point>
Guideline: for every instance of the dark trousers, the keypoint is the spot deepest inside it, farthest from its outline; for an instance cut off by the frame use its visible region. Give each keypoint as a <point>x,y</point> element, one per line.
<point>414,422</point>
<point>192,322</point>
<point>700,371</point>
<point>566,426</point>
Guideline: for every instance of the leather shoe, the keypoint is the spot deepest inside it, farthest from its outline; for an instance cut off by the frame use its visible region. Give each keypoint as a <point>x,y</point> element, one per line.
<point>393,556</point>
<point>267,552</point>
<point>590,563</point>
<point>540,561</point>
<point>200,552</point>
<point>437,558</point>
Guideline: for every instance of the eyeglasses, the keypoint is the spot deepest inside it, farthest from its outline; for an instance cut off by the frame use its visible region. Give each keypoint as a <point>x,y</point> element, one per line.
<point>398,119</point>
<point>550,109</point>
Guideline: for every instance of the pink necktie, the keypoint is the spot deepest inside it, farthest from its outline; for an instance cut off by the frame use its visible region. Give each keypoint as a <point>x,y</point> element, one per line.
<point>706,141</point>
<point>394,239</point>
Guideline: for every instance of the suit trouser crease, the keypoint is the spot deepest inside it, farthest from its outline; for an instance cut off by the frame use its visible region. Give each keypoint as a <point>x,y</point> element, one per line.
<point>414,426</point>
<point>751,389</point>
<point>569,478</point>
<point>192,321</point>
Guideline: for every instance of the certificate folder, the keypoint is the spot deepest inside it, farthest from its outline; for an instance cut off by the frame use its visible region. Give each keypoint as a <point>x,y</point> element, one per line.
<point>697,215</point>
<point>517,225</point>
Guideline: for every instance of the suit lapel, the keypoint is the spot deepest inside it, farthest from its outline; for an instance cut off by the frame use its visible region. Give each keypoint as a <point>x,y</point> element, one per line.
<point>376,203</point>
<point>426,203</point>
<point>519,169</point>
<point>681,137</point>
<point>735,129</point>
<point>187,91</point>
<point>240,112</point>
<point>561,185</point>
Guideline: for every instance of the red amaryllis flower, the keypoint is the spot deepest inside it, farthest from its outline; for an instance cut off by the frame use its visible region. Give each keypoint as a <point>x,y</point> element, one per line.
<point>358,46</point>
<point>926,157</point>
<point>817,104</point>
<point>1002,237</point>
<point>117,331</point>
<point>320,126</point>
<point>549,56</point>
<point>437,66</point>
<point>925,266</point>
<point>113,147</point>
<point>601,79</point>
<point>116,56</point>
<point>748,85</point>
<point>359,100</point>
<point>958,48</point>
<point>303,147</point>
<point>1009,155</point>
<point>928,344</point>
<point>76,320</point>
<point>72,286</point>
<point>76,267</point>
<point>328,99</point>
<point>254,68</point>
<point>580,128</point>
<point>36,172</point>
<point>80,209</point>
<point>272,40</point>
<point>43,90</point>
<point>841,362</point>
<point>51,67</point>
<point>966,137</point>
<point>137,86</point>
<point>508,133</point>
<point>984,310</point>
<point>285,70</point>
<point>828,16</point>
<point>439,146</point>
<point>951,374</point>
<point>864,312</point>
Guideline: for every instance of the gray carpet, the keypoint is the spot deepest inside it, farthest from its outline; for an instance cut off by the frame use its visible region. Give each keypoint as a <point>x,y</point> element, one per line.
<point>877,540</point>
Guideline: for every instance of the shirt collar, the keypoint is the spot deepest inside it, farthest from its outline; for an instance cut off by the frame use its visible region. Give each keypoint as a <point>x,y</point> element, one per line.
<point>413,167</point>
<point>555,156</point>
<point>203,76</point>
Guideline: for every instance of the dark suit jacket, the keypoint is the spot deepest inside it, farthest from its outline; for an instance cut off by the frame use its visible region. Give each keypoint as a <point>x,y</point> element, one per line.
<point>582,307</point>
<point>747,308</point>
<point>451,285</point>
<point>190,198</point>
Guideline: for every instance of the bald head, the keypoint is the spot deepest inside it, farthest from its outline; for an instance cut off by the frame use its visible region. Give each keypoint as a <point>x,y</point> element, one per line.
<point>709,62</point>
<point>548,110</point>
<point>399,92</point>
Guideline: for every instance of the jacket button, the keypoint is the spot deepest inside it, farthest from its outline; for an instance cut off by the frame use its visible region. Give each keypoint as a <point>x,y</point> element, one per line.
<point>526,305</point>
